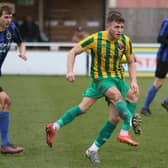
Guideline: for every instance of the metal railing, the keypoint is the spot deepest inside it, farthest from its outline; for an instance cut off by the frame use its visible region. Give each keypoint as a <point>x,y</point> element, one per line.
<point>67,45</point>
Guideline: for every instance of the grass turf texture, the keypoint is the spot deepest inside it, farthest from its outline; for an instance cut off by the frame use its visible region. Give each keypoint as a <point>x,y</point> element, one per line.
<point>37,100</point>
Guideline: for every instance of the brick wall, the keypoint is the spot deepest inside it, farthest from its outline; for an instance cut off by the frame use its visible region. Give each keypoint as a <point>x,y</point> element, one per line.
<point>142,3</point>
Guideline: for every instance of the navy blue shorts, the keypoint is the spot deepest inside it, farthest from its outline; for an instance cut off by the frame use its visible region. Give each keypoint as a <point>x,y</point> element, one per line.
<point>161,69</point>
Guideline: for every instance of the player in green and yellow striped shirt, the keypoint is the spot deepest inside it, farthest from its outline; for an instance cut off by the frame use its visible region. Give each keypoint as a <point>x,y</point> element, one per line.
<point>106,54</point>
<point>107,49</point>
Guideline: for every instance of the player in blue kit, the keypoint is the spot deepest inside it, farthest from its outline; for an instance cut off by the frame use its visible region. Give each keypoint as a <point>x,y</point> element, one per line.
<point>8,34</point>
<point>161,70</point>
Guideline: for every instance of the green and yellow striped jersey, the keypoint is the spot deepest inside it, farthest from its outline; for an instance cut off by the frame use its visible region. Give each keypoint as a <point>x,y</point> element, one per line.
<point>106,55</point>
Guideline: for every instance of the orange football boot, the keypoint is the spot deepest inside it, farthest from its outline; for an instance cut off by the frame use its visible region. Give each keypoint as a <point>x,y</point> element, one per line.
<point>50,134</point>
<point>127,140</point>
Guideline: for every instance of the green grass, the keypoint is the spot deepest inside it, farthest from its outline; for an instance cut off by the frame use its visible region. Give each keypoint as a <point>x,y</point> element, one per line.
<point>37,100</point>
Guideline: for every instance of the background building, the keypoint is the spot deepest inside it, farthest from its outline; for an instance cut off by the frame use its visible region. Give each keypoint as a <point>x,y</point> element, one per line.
<point>59,19</point>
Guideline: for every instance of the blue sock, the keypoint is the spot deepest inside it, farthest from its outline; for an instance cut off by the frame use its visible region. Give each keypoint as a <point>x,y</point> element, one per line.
<point>4,125</point>
<point>166,100</point>
<point>150,96</point>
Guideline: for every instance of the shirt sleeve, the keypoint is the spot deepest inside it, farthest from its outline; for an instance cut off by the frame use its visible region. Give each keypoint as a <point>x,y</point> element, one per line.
<point>163,33</point>
<point>128,50</point>
<point>16,34</point>
<point>87,43</point>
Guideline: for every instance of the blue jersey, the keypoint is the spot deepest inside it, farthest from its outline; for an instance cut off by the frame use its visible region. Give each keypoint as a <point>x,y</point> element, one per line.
<point>162,54</point>
<point>11,34</point>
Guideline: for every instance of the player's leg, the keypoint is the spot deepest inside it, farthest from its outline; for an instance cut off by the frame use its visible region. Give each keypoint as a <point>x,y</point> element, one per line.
<point>68,117</point>
<point>103,135</point>
<point>4,117</point>
<point>89,98</point>
<point>125,114</point>
<point>6,146</point>
<point>72,113</point>
<point>165,101</point>
<point>115,97</point>
<point>124,136</point>
<point>132,99</point>
<point>160,74</point>
<point>151,95</point>
<point>115,90</point>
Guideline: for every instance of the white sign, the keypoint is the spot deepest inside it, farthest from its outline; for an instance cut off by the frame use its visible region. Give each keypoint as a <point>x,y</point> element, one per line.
<point>42,63</point>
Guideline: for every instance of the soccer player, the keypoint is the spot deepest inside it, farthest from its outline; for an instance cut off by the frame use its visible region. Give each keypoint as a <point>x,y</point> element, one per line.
<point>161,70</point>
<point>123,136</point>
<point>8,34</point>
<point>107,48</point>
<point>79,34</point>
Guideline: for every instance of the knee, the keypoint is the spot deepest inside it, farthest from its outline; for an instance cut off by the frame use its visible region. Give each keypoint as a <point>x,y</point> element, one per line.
<point>158,83</point>
<point>8,102</point>
<point>132,97</point>
<point>114,98</point>
<point>5,102</point>
<point>86,103</point>
<point>83,108</point>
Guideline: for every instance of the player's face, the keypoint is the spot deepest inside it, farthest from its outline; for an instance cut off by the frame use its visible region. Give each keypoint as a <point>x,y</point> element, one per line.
<point>7,18</point>
<point>115,29</point>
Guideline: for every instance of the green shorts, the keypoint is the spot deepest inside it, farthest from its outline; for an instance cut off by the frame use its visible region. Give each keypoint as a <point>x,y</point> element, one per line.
<point>98,87</point>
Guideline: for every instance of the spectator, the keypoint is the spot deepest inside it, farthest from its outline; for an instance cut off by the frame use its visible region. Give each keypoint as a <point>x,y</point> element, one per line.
<point>29,30</point>
<point>79,34</point>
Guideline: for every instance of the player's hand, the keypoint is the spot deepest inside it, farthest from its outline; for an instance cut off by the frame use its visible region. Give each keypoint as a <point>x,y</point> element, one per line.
<point>70,77</point>
<point>23,56</point>
<point>134,87</point>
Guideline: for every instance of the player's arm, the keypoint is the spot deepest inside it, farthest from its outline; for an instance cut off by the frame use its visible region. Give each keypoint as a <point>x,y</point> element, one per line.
<point>83,46</point>
<point>131,66</point>
<point>71,60</point>
<point>132,74</point>
<point>163,34</point>
<point>22,51</point>
<point>18,40</point>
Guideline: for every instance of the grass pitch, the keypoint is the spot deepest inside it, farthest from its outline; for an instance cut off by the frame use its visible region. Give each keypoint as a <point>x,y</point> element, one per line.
<point>37,100</point>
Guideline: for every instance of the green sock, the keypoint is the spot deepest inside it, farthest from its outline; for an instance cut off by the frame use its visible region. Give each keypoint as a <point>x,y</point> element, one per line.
<point>124,113</point>
<point>69,115</point>
<point>104,133</point>
<point>131,106</point>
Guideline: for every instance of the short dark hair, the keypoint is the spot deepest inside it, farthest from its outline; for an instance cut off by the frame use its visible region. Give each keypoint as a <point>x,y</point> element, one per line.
<point>5,8</point>
<point>79,29</point>
<point>114,16</point>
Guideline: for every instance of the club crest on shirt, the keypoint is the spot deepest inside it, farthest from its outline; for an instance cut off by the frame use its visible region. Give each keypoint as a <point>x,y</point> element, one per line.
<point>120,47</point>
<point>8,35</point>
